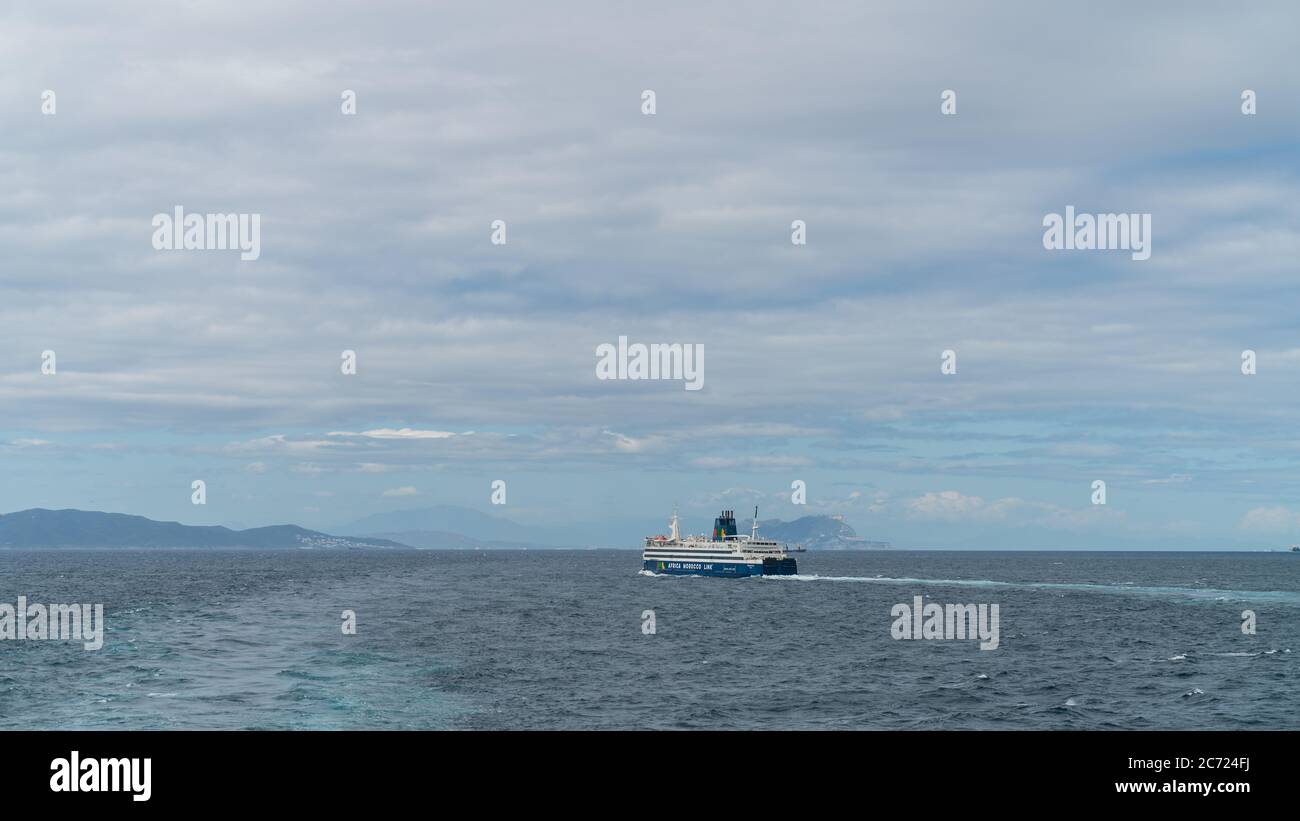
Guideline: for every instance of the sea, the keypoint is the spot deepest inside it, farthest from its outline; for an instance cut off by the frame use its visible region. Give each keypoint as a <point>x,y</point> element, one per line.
<point>584,639</point>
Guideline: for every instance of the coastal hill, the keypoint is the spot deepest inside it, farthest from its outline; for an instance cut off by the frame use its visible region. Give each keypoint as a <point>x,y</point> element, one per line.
<point>813,533</point>
<point>85,528</point>
<point>443,527</point>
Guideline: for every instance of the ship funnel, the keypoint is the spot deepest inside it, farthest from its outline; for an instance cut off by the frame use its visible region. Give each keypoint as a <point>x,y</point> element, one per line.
<point>724,525</point>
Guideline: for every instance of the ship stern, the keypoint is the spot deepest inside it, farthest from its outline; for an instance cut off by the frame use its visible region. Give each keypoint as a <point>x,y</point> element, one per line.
<point>780,567</point>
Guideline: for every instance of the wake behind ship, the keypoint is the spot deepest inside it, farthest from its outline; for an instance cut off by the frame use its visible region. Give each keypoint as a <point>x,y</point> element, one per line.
<point>723,554</point>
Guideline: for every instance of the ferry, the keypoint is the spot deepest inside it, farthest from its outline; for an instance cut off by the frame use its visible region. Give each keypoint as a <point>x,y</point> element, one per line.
<point>722,554</point>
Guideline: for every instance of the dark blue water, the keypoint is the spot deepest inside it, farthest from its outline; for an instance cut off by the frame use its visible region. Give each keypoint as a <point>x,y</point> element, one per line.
<point>553,639</point>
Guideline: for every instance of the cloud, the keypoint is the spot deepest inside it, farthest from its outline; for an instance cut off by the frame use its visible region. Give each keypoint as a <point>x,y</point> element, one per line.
<point>402,433</point>
<point>754,462</point>
<point>281,442</point>
<point>729,496</point>
<point>628,444</point>
<point>954,506</point>
<point>1274,519</point>
<point>1175,479</point>
<point>29,443</point>
<point>405,490</point>
<point>823,358</point>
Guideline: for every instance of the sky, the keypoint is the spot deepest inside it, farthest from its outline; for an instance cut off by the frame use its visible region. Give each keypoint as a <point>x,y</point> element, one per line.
<point>476,362</point>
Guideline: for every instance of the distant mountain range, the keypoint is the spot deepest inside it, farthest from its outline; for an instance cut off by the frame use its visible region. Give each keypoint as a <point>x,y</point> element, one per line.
<point>443,527</point>
<point>84,528</point>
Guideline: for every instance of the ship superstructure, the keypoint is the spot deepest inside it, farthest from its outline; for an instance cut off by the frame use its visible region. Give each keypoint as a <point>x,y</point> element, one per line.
<point>723,553</point>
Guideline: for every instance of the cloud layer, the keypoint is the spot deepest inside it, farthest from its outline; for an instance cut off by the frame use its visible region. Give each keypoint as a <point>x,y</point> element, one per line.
<point>476,361</point>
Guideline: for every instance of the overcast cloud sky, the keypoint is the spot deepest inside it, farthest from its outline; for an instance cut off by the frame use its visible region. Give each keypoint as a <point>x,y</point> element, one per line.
<point>477,362</point>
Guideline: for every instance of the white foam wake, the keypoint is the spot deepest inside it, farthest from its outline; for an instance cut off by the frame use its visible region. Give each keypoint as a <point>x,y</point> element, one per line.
<point>1124,588</point>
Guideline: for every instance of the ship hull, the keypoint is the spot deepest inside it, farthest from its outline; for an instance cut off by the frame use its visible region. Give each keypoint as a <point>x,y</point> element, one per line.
<point>684,567</point>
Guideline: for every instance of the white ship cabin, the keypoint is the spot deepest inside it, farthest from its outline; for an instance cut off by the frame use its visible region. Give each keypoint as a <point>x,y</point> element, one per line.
<point>724,535</point>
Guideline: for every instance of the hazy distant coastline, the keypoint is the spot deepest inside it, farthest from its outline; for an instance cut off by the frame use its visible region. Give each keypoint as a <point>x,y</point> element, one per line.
<point>445,527</point>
